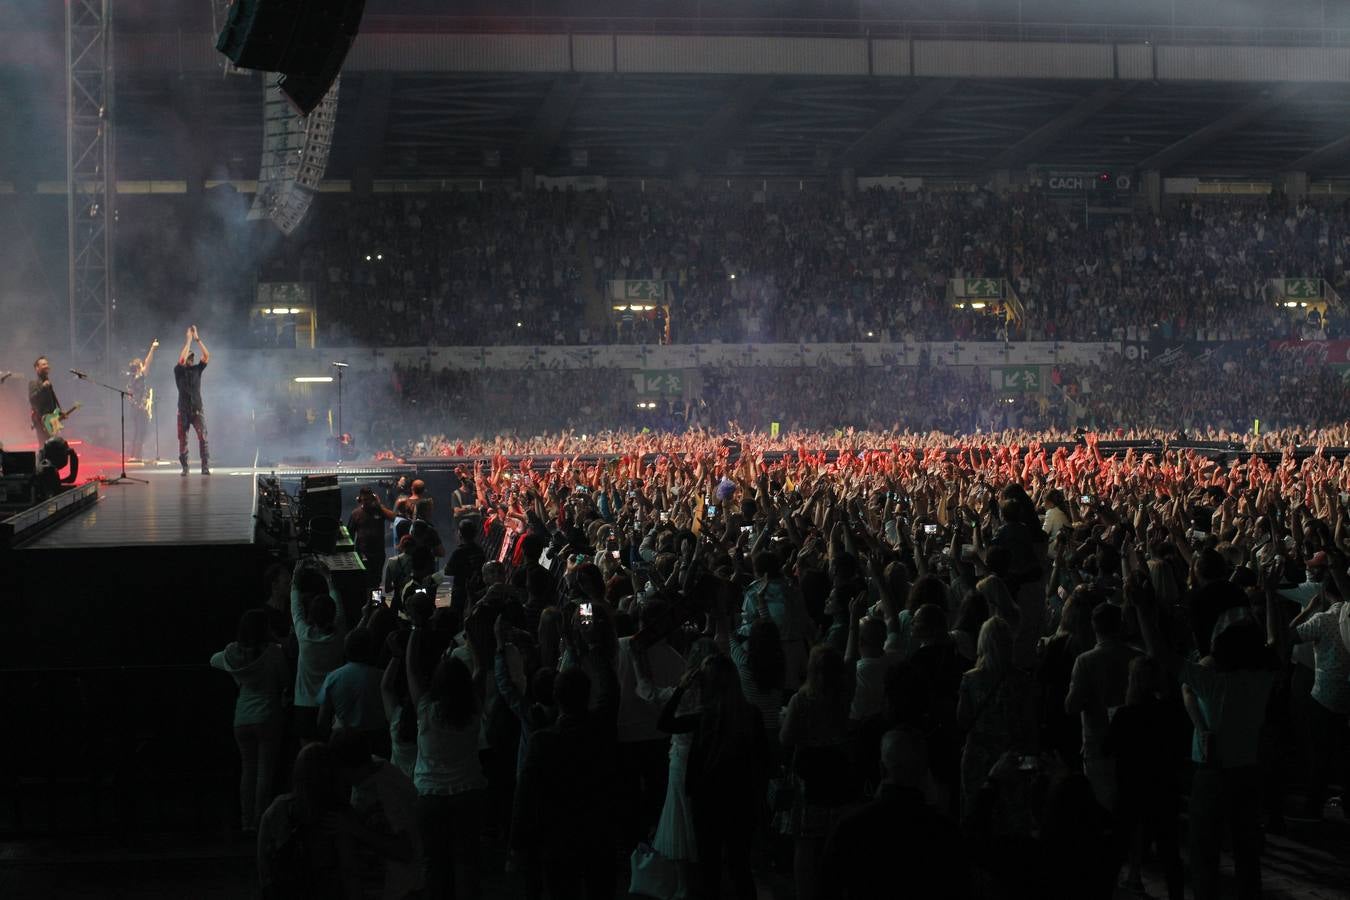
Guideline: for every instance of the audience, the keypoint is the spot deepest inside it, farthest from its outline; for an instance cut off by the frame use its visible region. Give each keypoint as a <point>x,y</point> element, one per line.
<point>891,637</point>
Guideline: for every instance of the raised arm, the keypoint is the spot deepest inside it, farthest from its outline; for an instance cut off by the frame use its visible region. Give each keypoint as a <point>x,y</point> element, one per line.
<point>206,354</point>
<point>187,348</point>
<point>149,355</point>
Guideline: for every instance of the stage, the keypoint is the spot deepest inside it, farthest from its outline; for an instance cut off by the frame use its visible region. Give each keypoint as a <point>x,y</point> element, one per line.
<point>170,510</point>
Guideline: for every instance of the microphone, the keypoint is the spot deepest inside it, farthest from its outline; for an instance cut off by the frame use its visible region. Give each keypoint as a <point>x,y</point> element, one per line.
<point>340,365</point>
<point>77,373</point>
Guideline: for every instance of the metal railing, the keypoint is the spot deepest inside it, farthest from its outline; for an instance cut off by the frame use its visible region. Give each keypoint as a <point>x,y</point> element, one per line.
<point>1051,32</point>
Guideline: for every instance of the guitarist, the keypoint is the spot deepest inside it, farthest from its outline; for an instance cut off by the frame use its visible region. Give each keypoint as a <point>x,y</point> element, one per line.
<point>139,400</point>
<point>42,398</point>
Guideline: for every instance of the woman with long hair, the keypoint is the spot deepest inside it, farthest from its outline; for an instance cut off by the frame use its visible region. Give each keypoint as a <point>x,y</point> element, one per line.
<point>448,774</point>
<point>815,737</point>
<point>994,708</point>
<point>725,777</point>
<point>258,667</point>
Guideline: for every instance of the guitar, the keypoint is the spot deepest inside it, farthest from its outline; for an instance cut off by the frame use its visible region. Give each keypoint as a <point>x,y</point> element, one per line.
<point>54,422</point>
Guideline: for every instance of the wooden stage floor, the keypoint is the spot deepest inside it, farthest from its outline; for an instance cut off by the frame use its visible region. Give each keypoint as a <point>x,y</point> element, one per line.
<point>171,510</point>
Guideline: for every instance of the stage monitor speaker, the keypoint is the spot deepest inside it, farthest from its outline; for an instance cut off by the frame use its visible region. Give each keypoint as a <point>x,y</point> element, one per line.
<point>22,462</point>
<point>320,498</point>
<point>305,40</point>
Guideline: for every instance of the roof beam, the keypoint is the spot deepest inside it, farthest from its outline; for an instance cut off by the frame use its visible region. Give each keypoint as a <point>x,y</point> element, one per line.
<point>1320,159</point>
<point>719,131</point>
<point>1034,142</point>
<point>880,136</point>
<point>550,119</point>
<point>1220,128</point>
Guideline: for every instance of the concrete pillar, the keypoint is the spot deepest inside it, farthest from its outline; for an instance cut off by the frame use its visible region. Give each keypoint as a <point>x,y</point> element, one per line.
<point>1150,185</point>
<point>1293,185</point>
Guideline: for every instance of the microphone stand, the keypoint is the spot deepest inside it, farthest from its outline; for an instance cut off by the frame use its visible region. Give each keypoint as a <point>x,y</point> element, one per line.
<point>122,399</point>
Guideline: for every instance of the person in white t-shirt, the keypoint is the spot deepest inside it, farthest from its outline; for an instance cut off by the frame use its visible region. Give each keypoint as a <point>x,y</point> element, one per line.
<point>320,630</point>
<point>259,668</point>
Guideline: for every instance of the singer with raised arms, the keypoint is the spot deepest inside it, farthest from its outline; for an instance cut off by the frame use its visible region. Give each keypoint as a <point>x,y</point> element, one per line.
<point>188,376</point>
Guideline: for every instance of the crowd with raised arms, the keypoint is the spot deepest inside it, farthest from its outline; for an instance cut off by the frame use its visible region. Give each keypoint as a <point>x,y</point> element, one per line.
<point>512,267</point>
<point>998,670</point>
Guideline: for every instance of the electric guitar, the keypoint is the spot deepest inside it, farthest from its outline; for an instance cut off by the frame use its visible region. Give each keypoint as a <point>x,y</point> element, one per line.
<point>54,422</point>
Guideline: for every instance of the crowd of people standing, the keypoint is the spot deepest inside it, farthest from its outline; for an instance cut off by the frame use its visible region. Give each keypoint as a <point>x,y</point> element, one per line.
<point>995,671</point>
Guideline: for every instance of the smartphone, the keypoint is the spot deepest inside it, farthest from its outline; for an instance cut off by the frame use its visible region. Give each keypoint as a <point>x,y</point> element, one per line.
<point>614,554</point>
<point>587,611</point>
<point>582,489</point>
<point>1086,500</point>
<point>664,516</point>
<point>377,596</point>
<point>1029,764</point>
<point>746,529</point>
<point>711,511</point>
<point>930,529</point>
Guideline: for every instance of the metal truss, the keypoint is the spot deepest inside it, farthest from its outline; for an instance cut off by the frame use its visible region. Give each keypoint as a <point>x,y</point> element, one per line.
<point>295,156</point>
<point>91,185</point>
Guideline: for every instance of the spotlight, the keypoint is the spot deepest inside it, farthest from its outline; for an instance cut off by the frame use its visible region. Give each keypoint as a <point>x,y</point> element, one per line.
<point>367,257</point>
<point>520,324</point>
<point>379,256</point>
<point>313,379</point>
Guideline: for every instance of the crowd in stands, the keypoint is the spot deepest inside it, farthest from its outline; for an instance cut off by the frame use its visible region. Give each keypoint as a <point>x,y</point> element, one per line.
<point>999,672</point>
<point>499,267</point>
<point>421,412</point>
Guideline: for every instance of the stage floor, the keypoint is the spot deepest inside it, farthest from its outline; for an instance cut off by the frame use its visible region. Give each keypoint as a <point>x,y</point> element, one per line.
<point>169,510</point>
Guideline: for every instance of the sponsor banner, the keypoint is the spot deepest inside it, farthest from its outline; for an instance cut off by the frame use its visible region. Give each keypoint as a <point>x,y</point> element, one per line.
<point>1329,353</point>
<point>1172,353</point>
<point>694,356</point>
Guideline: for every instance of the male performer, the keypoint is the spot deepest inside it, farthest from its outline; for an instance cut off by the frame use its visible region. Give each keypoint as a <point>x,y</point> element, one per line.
<point>42,398</point>
<point>139,400</point>
<point>188,376</point>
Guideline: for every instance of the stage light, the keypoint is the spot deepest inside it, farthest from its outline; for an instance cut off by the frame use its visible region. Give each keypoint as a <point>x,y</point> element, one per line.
<point>295,312</point>
<point>977,306</point>
<point>520,324</point>
<point>265,312</point>
<point>367,257</point>
<point>733,276</point>
<point>869,334</point>
<point>379,256</point>
<point>313,379</point>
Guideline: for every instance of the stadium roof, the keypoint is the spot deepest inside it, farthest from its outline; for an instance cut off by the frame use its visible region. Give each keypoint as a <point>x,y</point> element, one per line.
<point>179,116</point>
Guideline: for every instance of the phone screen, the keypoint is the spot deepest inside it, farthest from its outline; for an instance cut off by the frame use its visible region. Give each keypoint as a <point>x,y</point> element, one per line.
<point>746,529</point>
<point>1085,500</point>
<point>587,611</point>
<point>376,596</point>
<point>930,529</point>
<point>614,554</point>
<point>712,511</point>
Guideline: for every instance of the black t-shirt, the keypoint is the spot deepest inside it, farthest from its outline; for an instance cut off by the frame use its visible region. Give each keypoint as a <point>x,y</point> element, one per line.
<point>42,400</point>
<point>189,381</point>
<point>367,528</point>
<point>1207,604</point>
<point>136,388</point>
